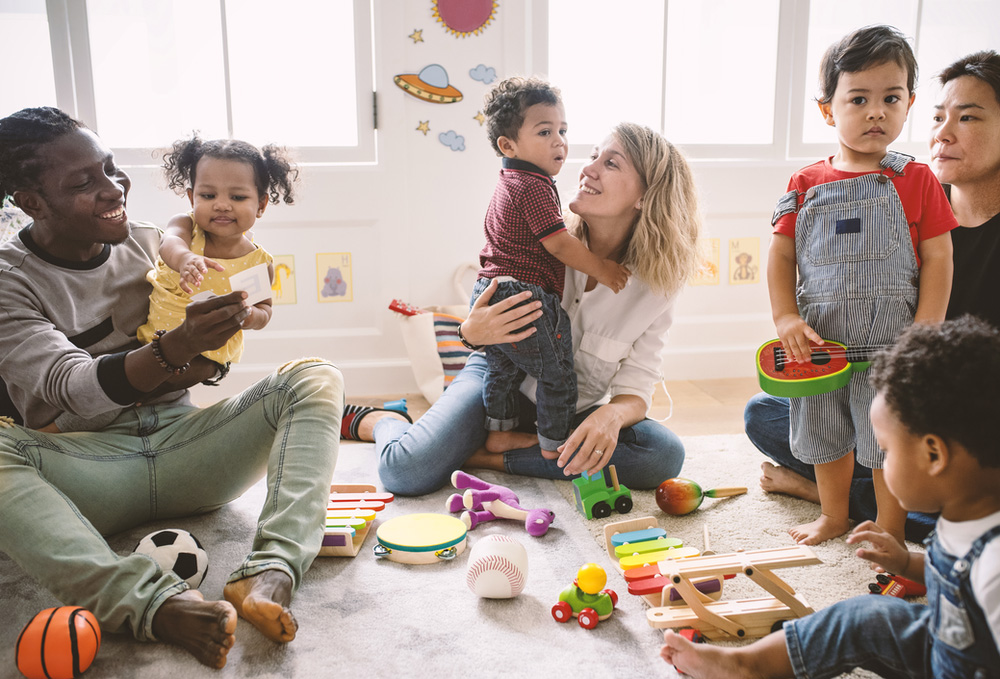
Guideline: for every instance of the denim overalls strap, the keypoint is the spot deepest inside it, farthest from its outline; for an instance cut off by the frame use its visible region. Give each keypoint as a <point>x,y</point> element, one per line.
<point>857,284</point>
<point>963,644</point>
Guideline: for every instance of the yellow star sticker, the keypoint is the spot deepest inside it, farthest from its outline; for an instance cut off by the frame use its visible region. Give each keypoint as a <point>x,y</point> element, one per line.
<point>479,117</point>
<point>417,36</point>
<point>424,126</point>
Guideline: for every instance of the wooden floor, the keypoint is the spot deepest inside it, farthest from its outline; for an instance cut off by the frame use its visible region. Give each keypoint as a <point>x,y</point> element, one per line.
<point>700,407</point>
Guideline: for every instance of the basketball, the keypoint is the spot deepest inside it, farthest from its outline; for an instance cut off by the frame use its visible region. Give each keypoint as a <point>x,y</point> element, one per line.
<point>58,643</point>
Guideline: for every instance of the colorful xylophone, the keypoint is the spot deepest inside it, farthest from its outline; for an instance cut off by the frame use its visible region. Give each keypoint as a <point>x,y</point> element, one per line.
<point>637,545</point>
<point>349,516</point>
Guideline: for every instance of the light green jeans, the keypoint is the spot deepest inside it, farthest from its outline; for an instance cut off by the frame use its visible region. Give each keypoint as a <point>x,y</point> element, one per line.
<point>59,493</point>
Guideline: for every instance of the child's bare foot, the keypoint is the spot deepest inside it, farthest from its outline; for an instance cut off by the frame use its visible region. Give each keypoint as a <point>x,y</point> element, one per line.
<point>698,660</point>
<point>263,599</point>
<point>774,479</point>
<point>205,629</point>
<point>502,441</point>
<point>822,529</point>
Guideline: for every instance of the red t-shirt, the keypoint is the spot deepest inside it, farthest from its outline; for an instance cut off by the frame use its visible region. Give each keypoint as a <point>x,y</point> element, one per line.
<point>926,207</point>
<point>524,211</point>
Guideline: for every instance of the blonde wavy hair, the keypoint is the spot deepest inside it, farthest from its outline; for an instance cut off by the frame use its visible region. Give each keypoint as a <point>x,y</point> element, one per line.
<point>663,247</point>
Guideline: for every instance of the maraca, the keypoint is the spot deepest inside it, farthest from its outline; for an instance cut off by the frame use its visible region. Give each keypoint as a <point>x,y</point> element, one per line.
<point>683,496</point>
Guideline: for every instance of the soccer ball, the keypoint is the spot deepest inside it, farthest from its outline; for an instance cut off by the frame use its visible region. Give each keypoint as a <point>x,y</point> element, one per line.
<point>178,551</point>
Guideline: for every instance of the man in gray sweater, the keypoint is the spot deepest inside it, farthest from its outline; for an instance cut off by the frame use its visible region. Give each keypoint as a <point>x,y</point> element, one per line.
<point>110,438</point>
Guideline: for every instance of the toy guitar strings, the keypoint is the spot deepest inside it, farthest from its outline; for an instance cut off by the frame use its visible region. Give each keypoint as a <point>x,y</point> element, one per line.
<point>830,367</point>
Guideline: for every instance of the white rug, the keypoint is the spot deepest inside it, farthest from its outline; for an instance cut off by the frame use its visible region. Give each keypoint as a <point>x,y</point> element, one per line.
<point>362,616</point>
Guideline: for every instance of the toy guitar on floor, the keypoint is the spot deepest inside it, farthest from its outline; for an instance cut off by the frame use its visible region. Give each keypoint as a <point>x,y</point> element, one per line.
<point>831,368</point>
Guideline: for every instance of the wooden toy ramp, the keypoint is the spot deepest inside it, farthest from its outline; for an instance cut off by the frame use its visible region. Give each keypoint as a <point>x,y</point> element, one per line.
<point>682,579</point>
<point>349,517</point>
<point>738,618</point>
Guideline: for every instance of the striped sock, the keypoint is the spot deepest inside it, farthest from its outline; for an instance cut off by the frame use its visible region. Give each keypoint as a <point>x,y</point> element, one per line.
<point>353,414</point>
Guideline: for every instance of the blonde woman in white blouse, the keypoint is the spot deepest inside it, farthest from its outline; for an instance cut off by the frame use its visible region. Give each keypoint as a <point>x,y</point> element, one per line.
<point>636,203</point>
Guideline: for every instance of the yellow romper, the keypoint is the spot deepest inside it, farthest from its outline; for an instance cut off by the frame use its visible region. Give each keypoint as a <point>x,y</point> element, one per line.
<point>168,301</point>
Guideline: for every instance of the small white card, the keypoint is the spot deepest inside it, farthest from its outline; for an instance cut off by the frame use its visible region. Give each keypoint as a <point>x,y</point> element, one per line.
<point>254,281</point>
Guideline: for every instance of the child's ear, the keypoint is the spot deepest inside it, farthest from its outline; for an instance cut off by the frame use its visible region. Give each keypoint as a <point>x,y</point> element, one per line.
<point>938,454</point>
<point>826,109</point>
<point>190,193</point>
<point>261,206</point>
<point>913,98</point>
<point>30,202</point>
<point>507,147</point>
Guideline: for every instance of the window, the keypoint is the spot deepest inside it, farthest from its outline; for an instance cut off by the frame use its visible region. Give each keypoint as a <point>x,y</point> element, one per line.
<point>144,73</point>
<point>26,43</point>
<point>736,79</point>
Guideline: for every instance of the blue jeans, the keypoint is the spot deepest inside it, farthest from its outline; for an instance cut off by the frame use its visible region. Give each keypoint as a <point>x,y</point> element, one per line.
<point>418,459</point>
<point>882,634</point>
<point>59,493</point>
<point>547,356</point>
<point>767,424</point>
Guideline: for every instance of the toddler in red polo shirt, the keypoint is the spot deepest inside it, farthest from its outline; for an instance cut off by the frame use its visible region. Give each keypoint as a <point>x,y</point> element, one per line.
<point>528,248</point>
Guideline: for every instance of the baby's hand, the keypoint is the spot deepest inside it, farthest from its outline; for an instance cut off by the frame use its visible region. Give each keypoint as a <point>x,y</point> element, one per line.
<point>795,334</point>
<point>193,271</point>
<point>613,275</point>
<point>885,551</point>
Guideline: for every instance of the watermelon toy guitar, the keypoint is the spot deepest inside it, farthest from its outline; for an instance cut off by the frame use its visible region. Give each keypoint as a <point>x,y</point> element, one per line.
<point>830,369</point>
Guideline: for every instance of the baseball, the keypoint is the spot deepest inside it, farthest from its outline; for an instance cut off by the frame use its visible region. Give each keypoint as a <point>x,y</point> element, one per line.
<point>498,567</point>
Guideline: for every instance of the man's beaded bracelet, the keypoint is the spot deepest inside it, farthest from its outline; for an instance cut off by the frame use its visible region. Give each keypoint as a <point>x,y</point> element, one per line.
<point>158,353</point>
<point>468,345</point>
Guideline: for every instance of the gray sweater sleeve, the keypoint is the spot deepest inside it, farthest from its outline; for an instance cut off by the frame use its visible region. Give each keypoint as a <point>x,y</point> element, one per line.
<point>66,327</point>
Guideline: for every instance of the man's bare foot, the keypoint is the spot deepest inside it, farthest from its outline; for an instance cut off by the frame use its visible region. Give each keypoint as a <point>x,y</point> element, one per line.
<point>502,441</point>
<point>822,529</point>
<point>263,599</point>
<point>774,479</point>
<point>205,629</point>
<point>698,660</point>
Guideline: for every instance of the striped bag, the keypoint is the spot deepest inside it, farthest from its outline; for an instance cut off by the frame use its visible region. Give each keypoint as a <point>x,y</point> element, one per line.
<point>436,353</point>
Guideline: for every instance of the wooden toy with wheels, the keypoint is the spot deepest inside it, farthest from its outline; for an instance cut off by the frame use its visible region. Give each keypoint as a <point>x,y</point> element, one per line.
<point>585,599</point>
<point>597,495</point>
<point>421,538</point>
<point>349,516</point>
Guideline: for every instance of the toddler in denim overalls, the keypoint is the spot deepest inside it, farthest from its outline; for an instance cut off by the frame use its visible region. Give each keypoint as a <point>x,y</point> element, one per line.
<point>937,395</point>
<point>852,227</point>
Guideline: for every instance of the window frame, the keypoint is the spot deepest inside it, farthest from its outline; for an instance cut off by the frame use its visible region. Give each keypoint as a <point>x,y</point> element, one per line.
<point>791,83</point>
<point>69,36</point>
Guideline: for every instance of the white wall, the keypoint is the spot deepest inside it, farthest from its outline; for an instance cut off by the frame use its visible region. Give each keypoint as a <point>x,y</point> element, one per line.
<point>410,220</point>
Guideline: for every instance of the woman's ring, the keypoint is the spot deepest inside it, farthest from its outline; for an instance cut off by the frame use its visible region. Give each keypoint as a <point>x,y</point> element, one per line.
<point>599,452</point>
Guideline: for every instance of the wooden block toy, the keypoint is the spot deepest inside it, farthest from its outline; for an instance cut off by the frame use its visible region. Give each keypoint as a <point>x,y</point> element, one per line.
<point>421,538</point>
<point>349,516</point>
<point>657,545</point>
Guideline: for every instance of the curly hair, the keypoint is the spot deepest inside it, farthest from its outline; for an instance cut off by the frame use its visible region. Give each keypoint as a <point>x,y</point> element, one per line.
<point>864,48</point>
<point>21,135</point>
<point>506,103</point>
<point>984,65</point>
<point>663,247</point>
<point>945,380</point>
<point>273,172</point>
